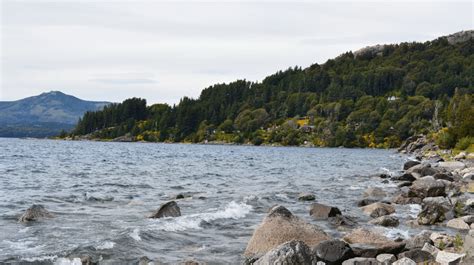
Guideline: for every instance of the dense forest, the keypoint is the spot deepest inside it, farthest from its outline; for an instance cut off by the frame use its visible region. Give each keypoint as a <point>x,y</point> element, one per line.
<point>375,97</point>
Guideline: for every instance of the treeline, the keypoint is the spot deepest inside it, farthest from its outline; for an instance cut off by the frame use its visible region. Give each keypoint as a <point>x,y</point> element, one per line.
<point>374,98</point>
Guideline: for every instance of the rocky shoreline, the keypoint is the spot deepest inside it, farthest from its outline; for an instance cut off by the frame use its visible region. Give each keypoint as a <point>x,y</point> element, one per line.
<point>440,184</point>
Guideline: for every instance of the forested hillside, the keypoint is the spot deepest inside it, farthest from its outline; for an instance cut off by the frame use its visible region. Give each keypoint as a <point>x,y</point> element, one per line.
<point>375,97</point>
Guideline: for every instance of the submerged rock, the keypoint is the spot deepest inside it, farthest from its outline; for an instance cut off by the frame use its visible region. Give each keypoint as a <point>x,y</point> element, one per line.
<point>291,253</point>
<point>378,209</point>
<point>374,193</point>
<point>280,226</point>
<point>333,251</point>
<point>169,209</point>
<point>321,211</point>
<point>386,220</point>
<point>306,197</point>
<point>35,213</point>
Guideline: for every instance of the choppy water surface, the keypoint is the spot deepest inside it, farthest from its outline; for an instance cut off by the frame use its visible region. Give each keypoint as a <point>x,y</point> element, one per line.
<point>101,193</point>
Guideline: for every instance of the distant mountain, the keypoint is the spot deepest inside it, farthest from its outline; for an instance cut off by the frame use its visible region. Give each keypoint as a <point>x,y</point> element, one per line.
<point>43,115</point>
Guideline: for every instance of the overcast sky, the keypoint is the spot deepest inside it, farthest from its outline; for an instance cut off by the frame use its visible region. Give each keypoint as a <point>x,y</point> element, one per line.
<point>161,51</point>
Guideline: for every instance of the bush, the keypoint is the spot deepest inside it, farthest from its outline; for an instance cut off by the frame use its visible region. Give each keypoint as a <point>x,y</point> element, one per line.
<point>445,139</point>
<point>464,143</point>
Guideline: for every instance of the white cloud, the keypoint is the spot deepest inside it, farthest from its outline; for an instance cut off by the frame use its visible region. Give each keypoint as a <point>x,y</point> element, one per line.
<point>108,50</point>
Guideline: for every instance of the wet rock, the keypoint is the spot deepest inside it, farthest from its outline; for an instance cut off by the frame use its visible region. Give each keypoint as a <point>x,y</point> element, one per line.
<point>386,259</point>
<point>458,223</point>
<point>384,176</point>
<point>404,184</point>
<point>292,253</point>
<point>365,250</point>
<point>448,258</point>
<point>386,220</point>
<point>375,193</point>
<point>35,213</point>
<point>361,261</point>
<point>417,255</point>
<point>320,211</point>
<point>441,240</point>
<point>169,209</point>
<point>364,238</point>
<point>443,176</point>
<point>410,164</point>
<point>333,251</point>
<point>179,196</point>
<point>306,197</point>
<point>422,169</point>
<point>192,262</point>
<point>366,201</point>
<point>404,199</point>
<point>441,201</point>
<point>342,221</point>
<point>404,261</point>
<point>430,249</point>
<point>431,214</point>
<point>280,226</point>
<point>378,209</point>
<point>419,240</point>
<point>405,177</point>
<point>427,187</point>
<point>87,260</point>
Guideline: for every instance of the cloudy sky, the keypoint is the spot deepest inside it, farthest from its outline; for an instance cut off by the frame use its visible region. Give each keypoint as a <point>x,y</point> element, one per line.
<point>161,51</point>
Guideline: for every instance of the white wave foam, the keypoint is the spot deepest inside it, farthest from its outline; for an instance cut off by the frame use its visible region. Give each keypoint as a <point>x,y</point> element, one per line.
<point>415,209</point>
<point>106,245</point>
<point>66,261</point>
<point>355,188</point>
<point>232,211</point>
<point>135,234</point>
<point>394,233</point>
<point>40,258</point>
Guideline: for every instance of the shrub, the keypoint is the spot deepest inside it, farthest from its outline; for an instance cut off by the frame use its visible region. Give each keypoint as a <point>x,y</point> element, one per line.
<point>464,143</point>
<point>445,139</point>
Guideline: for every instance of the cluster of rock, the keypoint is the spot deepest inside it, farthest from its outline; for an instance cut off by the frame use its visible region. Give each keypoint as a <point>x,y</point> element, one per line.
<point>439,187</point>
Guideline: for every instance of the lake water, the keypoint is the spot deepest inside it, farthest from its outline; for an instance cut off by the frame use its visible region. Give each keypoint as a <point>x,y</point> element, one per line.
<point>101,194</point>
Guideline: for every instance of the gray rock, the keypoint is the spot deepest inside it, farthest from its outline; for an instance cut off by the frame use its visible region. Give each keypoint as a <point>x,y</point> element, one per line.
<point>452,165</point>
<point>292,253</point>
<point>417,255</point>
<point>431,214</point>
<point>443,176</point>
<point>469,219</point>
<point>404,184</point>
<point>458,223</point>
<point>369,243</point>
<point>419,240</point>
<point>386,259</point>
<point>410,163</point>
<point>35,213</point>
<point>405,177</point>
<point>427,187</point>
<point>386,220</point>
<point>342,221</point>
<point>378,209</point>
<point>448,258</point>
<point>367,201</point>
<point>169,209</point>
<point>430,249</point>
<point>469,244</point>
<point>441,240</point>
<point>333,251</point>
<point>320,211</point>
<point>361,261</point>
<point>306,197</point>
<point>404,261</point>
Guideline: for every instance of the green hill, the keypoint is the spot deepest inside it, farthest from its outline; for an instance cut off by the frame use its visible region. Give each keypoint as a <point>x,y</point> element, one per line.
<point>374,97</point>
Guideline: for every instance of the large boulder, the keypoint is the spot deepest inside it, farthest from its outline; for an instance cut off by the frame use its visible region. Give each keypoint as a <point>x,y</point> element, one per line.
<point>291,253</point>
<point>35,213</point>
<point>386,220</point>
<point>386,259</point>
<point>378,209</point>
<point>405,199</point>
<point>418,256</point>
<point>169,209</point>
<point>441,240</point>
<point>280,226</point>
<point>405,177</point>
<point>427,187</point>
<point>342,222</point>
<point>320,211</point>
<point>333,251</point>
<point>469,243</point>
<point>452,165</point>
<point>443,176</point>
<point>422,170</point>
<point>370,243</point>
